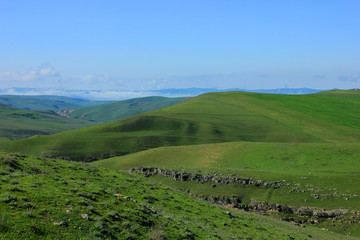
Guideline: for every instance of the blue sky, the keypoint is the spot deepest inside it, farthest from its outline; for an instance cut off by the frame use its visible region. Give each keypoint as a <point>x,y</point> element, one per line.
<point>141,45</point>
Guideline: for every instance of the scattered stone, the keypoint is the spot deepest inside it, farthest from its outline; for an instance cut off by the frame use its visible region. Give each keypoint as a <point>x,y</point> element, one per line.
<point>85,216</point>
<point>207,177</point>
<point>213,185</point>
<point>316,196</point>
<point>61,224</point>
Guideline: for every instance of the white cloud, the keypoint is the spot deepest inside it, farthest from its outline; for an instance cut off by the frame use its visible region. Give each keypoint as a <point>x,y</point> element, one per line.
<point>43,72</point>
<point>47,70</point>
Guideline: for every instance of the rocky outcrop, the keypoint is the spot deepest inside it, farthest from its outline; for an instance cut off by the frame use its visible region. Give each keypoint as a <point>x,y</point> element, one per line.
<point>224,201</point>
<point>205,178</point>
<point>65,112</point>
<point>262,207</point>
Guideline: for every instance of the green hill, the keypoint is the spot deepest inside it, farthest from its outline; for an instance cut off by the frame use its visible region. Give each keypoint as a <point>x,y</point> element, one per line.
<point>54,199</point>
<point>45,102</point>
<point>210,118</point>
<point>121,109</point>
<point>17,123</point>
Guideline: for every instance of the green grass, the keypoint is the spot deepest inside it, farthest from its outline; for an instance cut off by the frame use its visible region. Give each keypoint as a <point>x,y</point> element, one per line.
<point>122,109</point>
<point>280,157</point>
<point>330,170</point>
<point>325,165</point>
<point>211,118</point>
<point>46,102</point>
<point>17,123</point>
<point>37,194</point>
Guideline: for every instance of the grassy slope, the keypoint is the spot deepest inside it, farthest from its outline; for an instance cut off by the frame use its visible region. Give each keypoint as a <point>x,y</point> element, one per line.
<point>210,118</point>
<point>37,193</point>
<point>16,123</point>
<point>45,102</point>
<point>326,165</point>
<point>122,109</point>
<point>330,169</point>
<point>279,157</point>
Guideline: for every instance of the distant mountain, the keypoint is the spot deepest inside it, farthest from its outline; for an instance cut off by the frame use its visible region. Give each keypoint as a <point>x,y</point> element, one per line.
<point>45,102</point>
<point>121,109</point>
<point>127,94</point>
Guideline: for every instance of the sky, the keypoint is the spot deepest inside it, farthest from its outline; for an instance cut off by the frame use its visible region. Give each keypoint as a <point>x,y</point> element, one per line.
<point>153,44</point>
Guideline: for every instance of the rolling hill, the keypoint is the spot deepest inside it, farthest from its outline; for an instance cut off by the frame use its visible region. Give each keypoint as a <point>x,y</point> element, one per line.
<point>17,123</point>
<point>120,109</point>
<point>46,102</point>
<point>330,116</point>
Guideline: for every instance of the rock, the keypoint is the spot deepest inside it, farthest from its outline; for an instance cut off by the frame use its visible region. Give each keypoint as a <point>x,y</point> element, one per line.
<point>213,185</point>
<point>61,224</point>
<point>85,216</point>
<point>316,196</point>
<point>305,211</point>
<point>68,211</point>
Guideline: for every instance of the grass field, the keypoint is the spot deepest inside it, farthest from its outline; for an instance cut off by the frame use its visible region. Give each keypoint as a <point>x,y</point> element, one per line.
<point>54,199</point>
<point>122,109</point>
<point>279,157</point>
<point>323,175</point>
<point>324,165</point>
<point>17,123</point>
<point>211,118</point>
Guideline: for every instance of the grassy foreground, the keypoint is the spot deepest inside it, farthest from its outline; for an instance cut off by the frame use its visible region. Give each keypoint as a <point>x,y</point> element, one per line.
<point>54,199</point>
<point>210,118</point>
